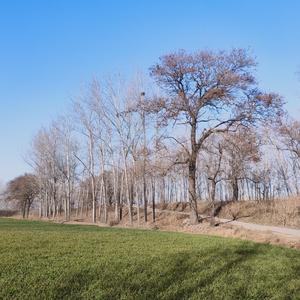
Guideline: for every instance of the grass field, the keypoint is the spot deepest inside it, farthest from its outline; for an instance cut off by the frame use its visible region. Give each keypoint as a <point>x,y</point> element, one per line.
<point>40,260</point>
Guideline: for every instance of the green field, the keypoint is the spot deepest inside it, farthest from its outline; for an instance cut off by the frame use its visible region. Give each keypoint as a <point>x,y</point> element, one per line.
<point>40,260</point>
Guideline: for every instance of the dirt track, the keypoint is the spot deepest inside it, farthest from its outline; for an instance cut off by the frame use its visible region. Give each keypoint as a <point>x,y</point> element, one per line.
<point>257,227</point>
<point>250,226</point>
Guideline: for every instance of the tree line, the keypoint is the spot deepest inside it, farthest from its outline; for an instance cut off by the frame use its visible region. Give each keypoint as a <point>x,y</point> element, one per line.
<point>203,130</point>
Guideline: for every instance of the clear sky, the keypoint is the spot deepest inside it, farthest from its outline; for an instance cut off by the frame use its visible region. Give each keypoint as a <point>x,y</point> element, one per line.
<point>49,49</point>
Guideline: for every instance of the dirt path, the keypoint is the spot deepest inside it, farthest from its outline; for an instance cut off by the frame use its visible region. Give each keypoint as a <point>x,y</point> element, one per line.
<point>257,227</point>
<point>249,226</point>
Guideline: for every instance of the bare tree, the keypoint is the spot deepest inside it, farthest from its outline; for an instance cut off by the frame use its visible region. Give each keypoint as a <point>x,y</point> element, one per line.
<point>68,164</point>
<point>213,157</point>
<point>115,103</point>
<point>290,132</point>
<point>86,119</point>
<point>46,160</point>
<point>209,93</point>
<point>242,148</point>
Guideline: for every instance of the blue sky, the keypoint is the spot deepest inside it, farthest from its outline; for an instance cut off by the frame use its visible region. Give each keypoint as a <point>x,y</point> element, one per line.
<point>50,49</point>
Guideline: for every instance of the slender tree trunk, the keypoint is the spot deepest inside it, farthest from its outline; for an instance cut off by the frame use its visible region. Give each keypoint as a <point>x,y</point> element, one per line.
<point>213,204</point>
<point>93,199</point>
<point>65,208</point>
<point>47,205</point>
<point>145,198</point>
<point>67,213</point>
<point>116,195</point>
<point>153,200</point>
<point>138,204</point>
<point>163,190</point>
<point>92,176</point>
<point>144,169</point>
<point>105,205</point>
<point>121,197</point>
<point>129,204</point>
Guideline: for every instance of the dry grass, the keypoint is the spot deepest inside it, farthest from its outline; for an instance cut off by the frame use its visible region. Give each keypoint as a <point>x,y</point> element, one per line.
<point>285,212</point>
<point>282,212</point>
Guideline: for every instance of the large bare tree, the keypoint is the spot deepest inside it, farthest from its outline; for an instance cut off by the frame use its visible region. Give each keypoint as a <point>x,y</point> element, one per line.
<point>209,92</point>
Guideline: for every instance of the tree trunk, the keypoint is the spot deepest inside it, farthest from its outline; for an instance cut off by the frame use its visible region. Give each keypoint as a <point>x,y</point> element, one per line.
<point>153,200</point>
<point>93,187</point>
<point>116,195</point>
<point>145,198</point>
<point>235,189</point>
<point>137,192</point>
<point>129,203</point>
<point>28,208</point>
<point>163,191</point>
<point>24,209</point>
<point>192,192</point>
<point>144,171</point>
<point>192,176</point>
<point>213,206</point>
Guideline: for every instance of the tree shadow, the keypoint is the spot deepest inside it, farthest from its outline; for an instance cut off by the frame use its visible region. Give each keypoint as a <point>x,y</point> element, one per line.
<point>188,275</point>
<point>198,274</point>
<point>73,285</point>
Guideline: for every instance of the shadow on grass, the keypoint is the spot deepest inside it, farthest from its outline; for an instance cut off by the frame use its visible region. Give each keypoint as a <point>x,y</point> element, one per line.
<point>191,274</point>
<point>74,285</point>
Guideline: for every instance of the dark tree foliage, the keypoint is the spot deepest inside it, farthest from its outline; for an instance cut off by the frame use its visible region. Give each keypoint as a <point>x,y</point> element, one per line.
<point>23,189</point>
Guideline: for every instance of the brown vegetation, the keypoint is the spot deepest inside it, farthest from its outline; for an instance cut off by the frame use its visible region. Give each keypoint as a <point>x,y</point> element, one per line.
<point>278,212</point>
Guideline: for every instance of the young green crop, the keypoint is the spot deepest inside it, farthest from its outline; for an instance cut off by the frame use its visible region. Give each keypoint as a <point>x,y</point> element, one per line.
<point>40,260</point>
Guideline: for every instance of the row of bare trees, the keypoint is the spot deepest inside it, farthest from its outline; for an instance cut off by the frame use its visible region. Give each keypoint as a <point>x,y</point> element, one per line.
<point>207,133</point>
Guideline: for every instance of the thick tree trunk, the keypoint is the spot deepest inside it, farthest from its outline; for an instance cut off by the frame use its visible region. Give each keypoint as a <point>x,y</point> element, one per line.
<point>192,192</point>
<point>121,213</point>
<point>28,208</point>
<point>192,176</point>
<point>235,189</point>
<point>24,210</point>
